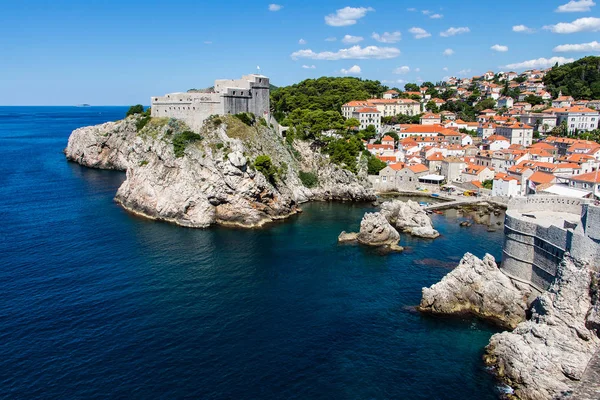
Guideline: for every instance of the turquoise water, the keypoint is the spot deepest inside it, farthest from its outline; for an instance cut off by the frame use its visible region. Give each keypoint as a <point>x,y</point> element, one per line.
<point>99,303</point>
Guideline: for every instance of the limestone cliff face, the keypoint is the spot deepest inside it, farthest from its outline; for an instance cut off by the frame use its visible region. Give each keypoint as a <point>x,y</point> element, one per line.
<point>477,287</point>
<point>213,180</point>
<point>545,356</point>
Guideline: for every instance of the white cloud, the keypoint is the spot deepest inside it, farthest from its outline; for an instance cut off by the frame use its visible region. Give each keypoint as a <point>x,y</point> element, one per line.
<point>499,47</point>
<point>426,12</point>
<point>417,69</point>
<point>400,81</point>
<point>419,33</point>
<point>522,29</point>
<point>454,31</point>
<point>448,52</point>
<point>275,7</point>
<point>330,39</point>
<point>412,9</point>
<point>354,70</point>
<point>405,69</point>
<point>207,42</point>
<point>387,37</point>
<point>583,47</point>
<point>354,52</point>
<point>445,69</point>
<point>347,16</point>
<point>589,24</point>
<point>301,41</point>
<point>576,6</point>
<point>436,16</point>
<point>539,63</point>
<point>309,67</point>
<point>352,39</point>
<point>464,72</point>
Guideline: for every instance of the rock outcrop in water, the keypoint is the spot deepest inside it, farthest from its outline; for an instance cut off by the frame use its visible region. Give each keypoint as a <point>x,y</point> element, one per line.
<point>546,355</point>
<point>375,230</point>
<point>195,181</point>
<point>409,217</point>
<point>477,287</point>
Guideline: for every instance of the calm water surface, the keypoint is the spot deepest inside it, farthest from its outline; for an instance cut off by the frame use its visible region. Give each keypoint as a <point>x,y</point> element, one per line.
<point>96,303</point>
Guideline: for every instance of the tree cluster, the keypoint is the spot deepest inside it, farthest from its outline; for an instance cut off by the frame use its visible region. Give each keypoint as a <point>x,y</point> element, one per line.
<point>579,79</point>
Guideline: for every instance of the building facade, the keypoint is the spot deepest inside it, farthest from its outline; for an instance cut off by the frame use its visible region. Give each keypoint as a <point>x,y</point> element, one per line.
<point>250,94</point>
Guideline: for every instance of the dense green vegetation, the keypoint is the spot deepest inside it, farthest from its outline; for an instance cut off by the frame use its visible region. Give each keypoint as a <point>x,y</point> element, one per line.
<point>580,79</point>
<point>309,123</point>
<point>181,140</point>
<point>247,118</point>
<point>462,109</point>
<point>137,109</point>
<point>308,179</point>
<point>325,94</point>
<point>344,151</point>
<point>374,165</point>
<point>264,165</point>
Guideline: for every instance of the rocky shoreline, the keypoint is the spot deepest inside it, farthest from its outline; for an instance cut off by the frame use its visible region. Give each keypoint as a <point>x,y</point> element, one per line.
<point>551,338</point>
<point>197,180</point>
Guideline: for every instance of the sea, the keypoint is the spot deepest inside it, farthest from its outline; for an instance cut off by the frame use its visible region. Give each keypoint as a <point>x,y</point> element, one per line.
<point>98,303</point>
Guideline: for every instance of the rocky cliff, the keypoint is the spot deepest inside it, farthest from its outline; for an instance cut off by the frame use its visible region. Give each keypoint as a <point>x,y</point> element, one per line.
<point>477,287</point>
<point>198,180</point>
<point>545,356</point>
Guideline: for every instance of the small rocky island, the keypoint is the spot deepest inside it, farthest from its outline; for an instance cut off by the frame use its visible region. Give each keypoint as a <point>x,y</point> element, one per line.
<point>380,229</point>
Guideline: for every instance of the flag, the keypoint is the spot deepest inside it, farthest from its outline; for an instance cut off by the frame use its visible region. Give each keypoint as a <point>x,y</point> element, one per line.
<point>531,185</point>
<point>258,68</point>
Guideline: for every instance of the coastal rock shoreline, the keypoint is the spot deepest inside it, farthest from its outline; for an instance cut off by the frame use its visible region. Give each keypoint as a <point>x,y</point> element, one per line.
<point>212,179</point>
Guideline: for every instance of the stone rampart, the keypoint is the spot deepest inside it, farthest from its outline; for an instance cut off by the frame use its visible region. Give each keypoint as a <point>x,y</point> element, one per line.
<point>533,247</point>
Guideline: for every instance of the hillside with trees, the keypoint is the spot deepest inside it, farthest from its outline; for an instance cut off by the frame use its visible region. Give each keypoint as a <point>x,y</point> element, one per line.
<point>579,79</point>
<point>325,94</point>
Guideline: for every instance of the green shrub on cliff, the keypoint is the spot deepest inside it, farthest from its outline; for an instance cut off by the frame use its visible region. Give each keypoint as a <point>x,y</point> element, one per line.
<point>264,165</point>
<point>247,118</point>
<point>141,123</point>
<point>181,140</point>
<point>137,109</point>
<point>308,179</point>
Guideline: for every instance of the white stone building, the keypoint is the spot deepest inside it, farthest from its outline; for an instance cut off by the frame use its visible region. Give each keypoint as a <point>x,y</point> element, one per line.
<point>230,96</point>
<point>517,133</point>
<point>579,119</point>
<point>368,116</point>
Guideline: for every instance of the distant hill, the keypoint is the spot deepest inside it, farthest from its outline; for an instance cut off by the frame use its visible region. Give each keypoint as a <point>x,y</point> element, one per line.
<point>579,79</point>
<point>325,93</point>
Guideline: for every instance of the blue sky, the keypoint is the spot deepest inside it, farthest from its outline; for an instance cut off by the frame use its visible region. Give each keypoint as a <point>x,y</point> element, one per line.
<point>65,52</point>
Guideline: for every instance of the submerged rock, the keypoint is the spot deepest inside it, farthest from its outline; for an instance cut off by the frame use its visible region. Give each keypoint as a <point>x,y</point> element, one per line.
<point>199,180</point>
<point>375,230</point>
<point>548,354</point>
<point>347,237</point>
<point>477,287</point>
<point>409,217</point>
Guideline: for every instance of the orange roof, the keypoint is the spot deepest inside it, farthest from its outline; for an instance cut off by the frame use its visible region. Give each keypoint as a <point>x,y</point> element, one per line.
<point>380,146</point>
<point>542,145</point>
<point>397,166</point>
<point>391,91</point>
<point>430,116</point>
<point>437,156</point>
<point>477,184</point>
<point>542,177</point>
<point>580,109</point>
<point>417,168</point>
<point>367,110</point>
<point>387,158</point>
<point>592,177</point>
<point>474,169</point>
<point>355,103</point>
<point>495,138</point>
<point>387,138</point>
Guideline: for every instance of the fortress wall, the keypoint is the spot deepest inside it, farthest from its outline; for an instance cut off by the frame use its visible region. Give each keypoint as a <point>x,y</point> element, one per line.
<point>547,203</point>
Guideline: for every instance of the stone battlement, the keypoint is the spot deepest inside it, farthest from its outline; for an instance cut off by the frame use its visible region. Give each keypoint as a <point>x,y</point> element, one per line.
<point>230,96</point>
<point>539,230</point>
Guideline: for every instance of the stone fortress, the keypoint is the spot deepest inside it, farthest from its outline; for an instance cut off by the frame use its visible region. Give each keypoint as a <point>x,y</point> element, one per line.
<point>539,230</point>
<point>229,96</point>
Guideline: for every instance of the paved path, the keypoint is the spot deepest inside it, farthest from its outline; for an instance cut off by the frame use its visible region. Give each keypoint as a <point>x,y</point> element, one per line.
<point>453,203</point>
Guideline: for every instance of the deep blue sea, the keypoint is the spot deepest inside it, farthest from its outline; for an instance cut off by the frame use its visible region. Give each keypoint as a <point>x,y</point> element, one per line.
<point>97,303</point>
